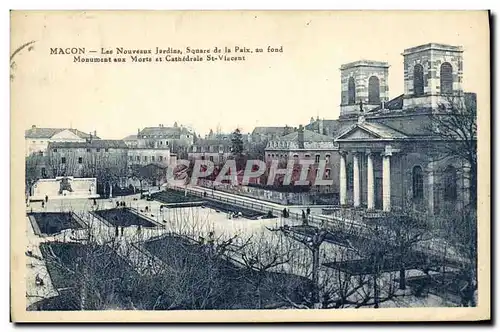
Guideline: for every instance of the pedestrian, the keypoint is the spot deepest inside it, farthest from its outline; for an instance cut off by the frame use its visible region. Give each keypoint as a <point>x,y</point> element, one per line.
<point>308,211</point>
<point>303,215</point>
<point>43,204</point>
<point>284,212</point>
<point>46,199</point>
<point>122,230</point>
<point>116,231</point>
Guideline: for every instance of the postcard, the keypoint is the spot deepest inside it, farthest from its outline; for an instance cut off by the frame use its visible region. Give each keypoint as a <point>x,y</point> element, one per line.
<point>250,166</point>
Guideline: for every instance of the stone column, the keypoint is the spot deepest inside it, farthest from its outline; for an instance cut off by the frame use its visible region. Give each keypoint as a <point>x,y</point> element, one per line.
<point>343,179</point>
<point>370,183</point>
<point>356,180</point>
<point>386,182</point>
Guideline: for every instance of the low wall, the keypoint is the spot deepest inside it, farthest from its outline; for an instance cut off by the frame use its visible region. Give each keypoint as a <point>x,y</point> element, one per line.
<point>64,187</point>
<point>283,198</point>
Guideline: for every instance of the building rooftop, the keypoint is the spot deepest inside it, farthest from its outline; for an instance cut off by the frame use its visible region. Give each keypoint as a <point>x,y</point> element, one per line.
<point>309,136</point>
<point>167,132</point>
<point>433,46</point>
<point>98,143</point>
<point>365,63</point>
<point>35,132</point>
<point>269,130</point>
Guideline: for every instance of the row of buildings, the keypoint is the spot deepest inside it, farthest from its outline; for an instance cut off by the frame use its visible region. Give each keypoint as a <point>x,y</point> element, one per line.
<point>381,153</point>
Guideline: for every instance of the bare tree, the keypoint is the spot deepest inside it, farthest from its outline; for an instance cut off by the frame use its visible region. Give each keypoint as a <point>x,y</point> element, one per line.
<point>32,171</point>
<point>455,124</point>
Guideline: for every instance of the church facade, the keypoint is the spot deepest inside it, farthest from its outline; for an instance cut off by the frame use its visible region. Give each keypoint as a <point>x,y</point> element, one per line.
<point>389,156</point>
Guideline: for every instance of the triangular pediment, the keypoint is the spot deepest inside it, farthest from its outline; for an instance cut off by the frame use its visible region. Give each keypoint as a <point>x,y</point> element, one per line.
<point>358,133</point>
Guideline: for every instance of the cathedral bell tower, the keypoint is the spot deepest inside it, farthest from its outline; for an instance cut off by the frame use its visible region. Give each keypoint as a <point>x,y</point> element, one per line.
<point>432,73</point>
<point>364,82</point>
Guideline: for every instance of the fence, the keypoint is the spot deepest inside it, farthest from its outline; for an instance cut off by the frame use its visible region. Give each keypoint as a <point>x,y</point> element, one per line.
<point>346,218</point>
<point>311,197</point>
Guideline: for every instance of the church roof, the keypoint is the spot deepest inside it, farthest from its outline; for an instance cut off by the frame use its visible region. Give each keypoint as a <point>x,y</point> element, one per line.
<point>373,130</point>
<point>391,105</point>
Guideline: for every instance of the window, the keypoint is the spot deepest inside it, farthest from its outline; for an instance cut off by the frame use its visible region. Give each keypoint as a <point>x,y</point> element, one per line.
<point>160,158</point>
<point>211,158</point>
<point>138,158</point>
<point>272,155</point>
<point>33,142</point>
<point>98,150</point>
<point>446,78</point>
<point>63,160</point>
<point>450,183</point>
<point>88,150</point>
<point>144,136</point>
<point>152,158</point>
<point>40,153</point>
<point>145,158</point>
<point>55,150</point>
<point>80,160</point>
<point>106,150</point>
<point>130,158</point>
<point>351,91</point>
<point>166,143</point>
<point>418,80</point>
<point>44,172</point>
<point>327,173</point>
<point>418,183</point>
<point>161,142</point>
<point>327,158</point>
<point>202,157</point>
<point>307,155</point>
<point>316,158</point>
<point>373,90</point>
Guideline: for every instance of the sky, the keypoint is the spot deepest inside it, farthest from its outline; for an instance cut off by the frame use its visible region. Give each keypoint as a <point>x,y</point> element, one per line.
<point>268,89</point>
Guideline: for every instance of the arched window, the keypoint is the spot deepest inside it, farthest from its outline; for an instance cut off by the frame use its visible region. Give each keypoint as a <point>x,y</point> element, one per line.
<point>446,78</point>
<point>418,183</point>
<point>450,183</point>
<point>373,90</point>
<point>418,80</point>
<point>351,91</point>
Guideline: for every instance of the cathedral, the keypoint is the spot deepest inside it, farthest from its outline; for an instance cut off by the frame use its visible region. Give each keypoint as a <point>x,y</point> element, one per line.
<point>390,157</point>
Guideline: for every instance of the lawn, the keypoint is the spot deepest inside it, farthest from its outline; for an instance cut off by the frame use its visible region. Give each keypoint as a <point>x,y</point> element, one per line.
<point>172,196</point>
<point>54,222</point>
<point>124,217</point>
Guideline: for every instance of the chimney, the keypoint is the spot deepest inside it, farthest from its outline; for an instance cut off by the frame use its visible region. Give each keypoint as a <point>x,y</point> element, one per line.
<point>95,133</point>
<point>33,127</point>
<point>300,137</point>
<point>138,131</point>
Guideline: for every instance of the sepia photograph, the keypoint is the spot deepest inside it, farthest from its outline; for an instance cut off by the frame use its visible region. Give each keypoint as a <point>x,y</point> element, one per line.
<point>250,166</point>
